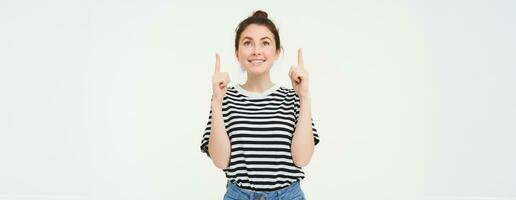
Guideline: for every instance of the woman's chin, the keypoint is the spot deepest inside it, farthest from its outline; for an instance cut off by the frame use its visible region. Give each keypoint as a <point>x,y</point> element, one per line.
<point>257,70</point>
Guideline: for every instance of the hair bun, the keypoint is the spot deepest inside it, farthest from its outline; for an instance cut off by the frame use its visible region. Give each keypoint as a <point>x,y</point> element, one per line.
<point>260,13</point>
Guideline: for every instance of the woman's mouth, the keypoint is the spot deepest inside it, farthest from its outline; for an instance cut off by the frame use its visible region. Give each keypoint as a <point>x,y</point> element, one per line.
<point>256,62</point>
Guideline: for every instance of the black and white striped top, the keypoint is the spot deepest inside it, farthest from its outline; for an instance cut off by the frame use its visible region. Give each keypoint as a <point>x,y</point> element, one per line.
<point>260,128</point>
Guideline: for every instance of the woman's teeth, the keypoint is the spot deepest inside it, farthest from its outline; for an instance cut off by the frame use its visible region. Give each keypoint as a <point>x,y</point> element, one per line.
<point>256,62</point>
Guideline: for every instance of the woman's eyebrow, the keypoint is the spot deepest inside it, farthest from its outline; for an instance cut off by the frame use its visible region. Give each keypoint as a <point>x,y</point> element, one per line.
<point>260,39</point>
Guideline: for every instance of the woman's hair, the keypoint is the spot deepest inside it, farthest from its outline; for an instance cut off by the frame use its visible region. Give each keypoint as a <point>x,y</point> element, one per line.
<point>259,17</point>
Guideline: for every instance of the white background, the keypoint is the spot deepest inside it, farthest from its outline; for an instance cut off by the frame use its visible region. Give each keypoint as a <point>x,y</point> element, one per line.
<point>109,99</point>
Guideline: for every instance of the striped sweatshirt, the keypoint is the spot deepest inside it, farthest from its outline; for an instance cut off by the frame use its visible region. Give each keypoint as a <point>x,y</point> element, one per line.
<point>260,127</point>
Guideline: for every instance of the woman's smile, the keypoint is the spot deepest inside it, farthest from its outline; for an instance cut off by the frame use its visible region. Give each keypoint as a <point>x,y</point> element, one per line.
<point>256,62</point>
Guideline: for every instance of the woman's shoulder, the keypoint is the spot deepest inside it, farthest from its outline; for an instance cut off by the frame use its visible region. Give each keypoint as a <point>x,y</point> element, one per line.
<point>231,87</point>
<point>288,91</point>
<point>231,90</point>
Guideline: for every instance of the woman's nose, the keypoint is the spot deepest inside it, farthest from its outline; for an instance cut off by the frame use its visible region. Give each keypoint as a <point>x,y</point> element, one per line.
<point>257,50</point>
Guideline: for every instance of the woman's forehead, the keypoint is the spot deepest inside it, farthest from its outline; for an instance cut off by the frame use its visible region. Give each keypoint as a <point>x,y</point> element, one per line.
<point>257,32</point>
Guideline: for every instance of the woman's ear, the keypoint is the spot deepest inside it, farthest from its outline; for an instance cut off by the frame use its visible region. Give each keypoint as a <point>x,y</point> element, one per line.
<point>236,54</point>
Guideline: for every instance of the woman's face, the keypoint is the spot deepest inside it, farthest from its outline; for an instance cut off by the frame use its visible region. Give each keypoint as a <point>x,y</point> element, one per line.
<point>256,49</point>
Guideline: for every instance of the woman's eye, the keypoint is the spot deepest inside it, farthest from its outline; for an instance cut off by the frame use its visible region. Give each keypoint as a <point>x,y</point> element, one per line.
<point>247,43</point>
<point>266,43</point>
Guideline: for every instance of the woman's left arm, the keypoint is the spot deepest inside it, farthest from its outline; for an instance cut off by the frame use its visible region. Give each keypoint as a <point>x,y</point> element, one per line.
<point>302,146</point>
<point>303,143</point>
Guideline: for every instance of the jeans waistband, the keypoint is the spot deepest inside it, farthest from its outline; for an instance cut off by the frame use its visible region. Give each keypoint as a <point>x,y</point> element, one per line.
<point>294,186</point>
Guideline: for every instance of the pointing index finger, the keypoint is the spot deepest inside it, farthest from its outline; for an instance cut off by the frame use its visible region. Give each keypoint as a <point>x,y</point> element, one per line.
<point>300,58</point>
<point>217,63</point>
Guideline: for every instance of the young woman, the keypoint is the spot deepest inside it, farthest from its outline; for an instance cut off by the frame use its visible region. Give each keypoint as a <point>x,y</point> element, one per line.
<point>259,133</point>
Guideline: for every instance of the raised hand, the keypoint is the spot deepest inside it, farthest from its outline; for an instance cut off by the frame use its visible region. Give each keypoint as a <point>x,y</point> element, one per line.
<point>220,81</point>
<point>299,76</point>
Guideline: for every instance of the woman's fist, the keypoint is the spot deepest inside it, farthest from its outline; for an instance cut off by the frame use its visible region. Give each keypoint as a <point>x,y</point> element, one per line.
<point>220,81</point>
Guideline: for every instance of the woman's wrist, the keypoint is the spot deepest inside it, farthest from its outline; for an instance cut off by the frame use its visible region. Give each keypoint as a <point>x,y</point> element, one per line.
<point>216,102</point>
<point>305,97</point>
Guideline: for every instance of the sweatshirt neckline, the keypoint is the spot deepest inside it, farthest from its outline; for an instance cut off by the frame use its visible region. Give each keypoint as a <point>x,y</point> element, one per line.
<point>265,93</point>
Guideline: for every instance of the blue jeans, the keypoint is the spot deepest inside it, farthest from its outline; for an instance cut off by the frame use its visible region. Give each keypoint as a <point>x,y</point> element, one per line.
<point>292,192</point>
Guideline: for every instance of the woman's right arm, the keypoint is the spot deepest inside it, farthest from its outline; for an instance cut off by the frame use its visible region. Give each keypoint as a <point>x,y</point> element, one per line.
<point>219,146</point>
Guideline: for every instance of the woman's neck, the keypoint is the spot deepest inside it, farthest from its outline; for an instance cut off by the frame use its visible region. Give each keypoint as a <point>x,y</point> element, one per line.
<point>258,83</point>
